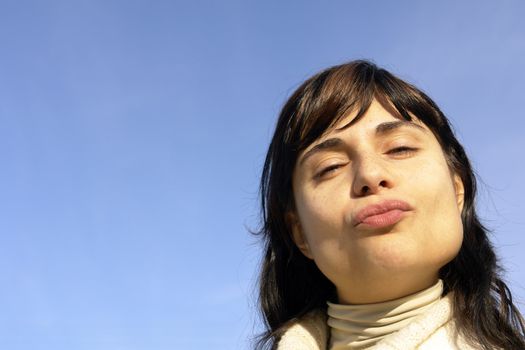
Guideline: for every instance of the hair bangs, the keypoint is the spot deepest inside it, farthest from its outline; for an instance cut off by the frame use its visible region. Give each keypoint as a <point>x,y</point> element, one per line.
<point>327,98</point>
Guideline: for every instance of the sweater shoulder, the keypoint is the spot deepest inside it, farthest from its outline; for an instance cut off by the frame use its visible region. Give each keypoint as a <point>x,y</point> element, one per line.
<point>310,332</point>
<point>446,337</point>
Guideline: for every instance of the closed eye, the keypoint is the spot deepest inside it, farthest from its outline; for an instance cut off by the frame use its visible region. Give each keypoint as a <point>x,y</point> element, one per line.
<point>403,150</point>
<point>327,170</point>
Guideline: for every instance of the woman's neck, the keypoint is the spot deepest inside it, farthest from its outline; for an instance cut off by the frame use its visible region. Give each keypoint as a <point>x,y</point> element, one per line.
<point>370,289</point>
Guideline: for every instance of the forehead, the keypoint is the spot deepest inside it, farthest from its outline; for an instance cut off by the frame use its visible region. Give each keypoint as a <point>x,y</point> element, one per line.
<point>376,121</point>
<point>374,114</point>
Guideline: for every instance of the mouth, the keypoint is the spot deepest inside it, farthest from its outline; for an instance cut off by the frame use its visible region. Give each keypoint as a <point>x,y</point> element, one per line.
<point>382,214</point>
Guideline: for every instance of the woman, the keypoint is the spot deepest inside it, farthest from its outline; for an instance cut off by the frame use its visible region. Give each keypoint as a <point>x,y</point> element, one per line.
<point>371,235</point>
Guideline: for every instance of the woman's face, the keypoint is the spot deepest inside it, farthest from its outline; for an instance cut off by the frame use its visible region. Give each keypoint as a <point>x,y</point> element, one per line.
<point>376,207</point>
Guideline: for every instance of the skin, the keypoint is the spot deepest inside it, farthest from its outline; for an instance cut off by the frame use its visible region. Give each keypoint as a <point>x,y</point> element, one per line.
<point>367,264</point>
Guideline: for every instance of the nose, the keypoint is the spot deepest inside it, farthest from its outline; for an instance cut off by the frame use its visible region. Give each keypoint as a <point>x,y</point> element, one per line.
<point>371,177</point>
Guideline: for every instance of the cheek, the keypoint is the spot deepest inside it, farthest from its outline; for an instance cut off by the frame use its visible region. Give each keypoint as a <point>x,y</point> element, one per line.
<point>321,218</point>
<point>439,215</point>
<point>318,215</point>
<point>433,184</point>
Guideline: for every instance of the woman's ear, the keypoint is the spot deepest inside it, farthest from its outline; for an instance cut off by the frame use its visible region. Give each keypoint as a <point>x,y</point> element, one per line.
<point>298,235</point>
<point>460,191</point>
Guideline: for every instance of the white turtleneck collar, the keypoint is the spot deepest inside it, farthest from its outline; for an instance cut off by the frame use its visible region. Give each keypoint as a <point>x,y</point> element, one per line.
<point>361,326</point>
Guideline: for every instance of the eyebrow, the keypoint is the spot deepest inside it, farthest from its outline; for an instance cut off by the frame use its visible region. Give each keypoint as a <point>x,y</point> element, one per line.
<point>381,130</point>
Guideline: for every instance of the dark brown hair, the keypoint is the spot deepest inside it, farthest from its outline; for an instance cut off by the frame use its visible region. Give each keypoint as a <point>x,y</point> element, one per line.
<point>291,285</point>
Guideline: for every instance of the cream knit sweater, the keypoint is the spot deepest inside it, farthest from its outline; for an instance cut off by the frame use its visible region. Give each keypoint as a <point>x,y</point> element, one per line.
<point>432,330</point>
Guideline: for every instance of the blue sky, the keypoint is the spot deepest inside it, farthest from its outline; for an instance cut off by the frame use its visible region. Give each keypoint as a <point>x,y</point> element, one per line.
<point>132,135</point>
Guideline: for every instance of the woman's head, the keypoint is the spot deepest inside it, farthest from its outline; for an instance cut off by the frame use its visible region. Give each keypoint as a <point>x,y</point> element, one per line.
<point>375,204</point>
<point>353,141</point>
<point>354,136</point>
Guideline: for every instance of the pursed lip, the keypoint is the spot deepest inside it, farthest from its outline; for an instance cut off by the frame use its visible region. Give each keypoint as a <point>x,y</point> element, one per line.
<point>380,208</point>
